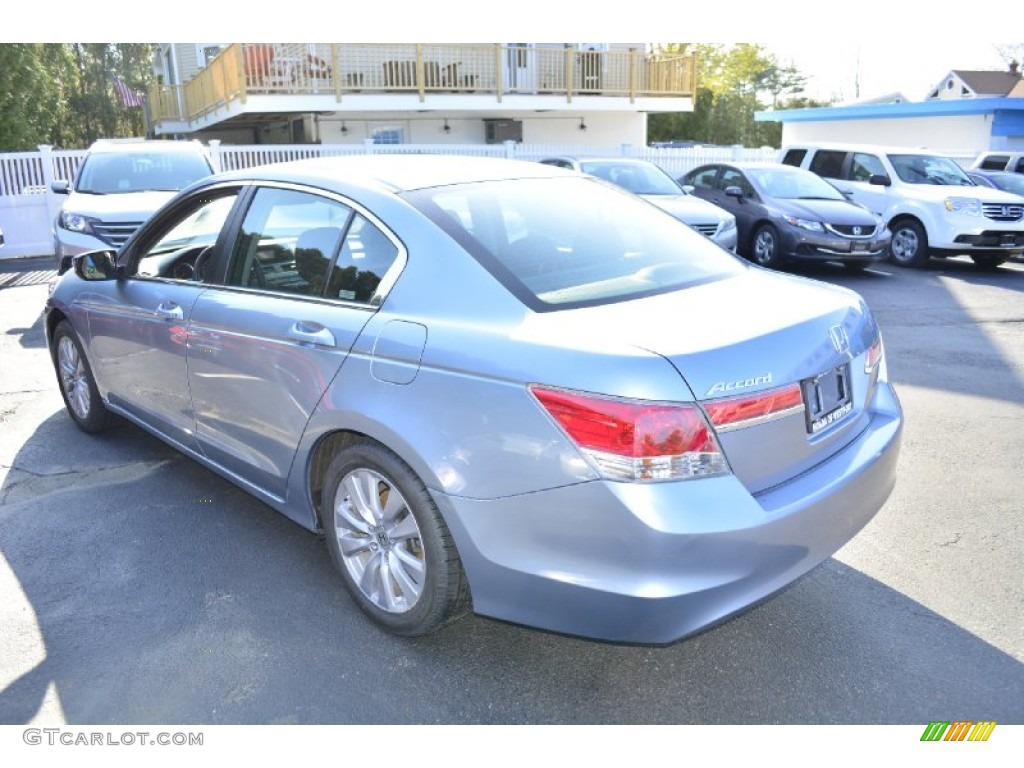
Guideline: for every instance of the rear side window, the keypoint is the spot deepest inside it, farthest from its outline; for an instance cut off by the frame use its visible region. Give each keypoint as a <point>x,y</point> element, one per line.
<point>1019,167</point>
<point>995,162</point>
<point>828,163</point>
<point>794,157</point>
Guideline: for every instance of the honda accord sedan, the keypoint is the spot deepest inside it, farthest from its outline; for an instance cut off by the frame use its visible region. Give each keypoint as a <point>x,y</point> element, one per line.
<point>790,214</point>
<point>492,386</point>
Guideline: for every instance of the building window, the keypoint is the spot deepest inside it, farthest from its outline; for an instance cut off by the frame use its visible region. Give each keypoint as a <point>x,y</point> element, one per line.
<point>207,52</point>
<point>387,136</point>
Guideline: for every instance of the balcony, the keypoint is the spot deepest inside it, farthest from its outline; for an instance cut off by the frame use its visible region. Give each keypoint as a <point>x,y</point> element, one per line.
<point>422,70</point>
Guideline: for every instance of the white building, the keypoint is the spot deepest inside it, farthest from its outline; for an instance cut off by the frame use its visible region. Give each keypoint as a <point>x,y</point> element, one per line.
<point>966,113</point>
<point>596,94</point>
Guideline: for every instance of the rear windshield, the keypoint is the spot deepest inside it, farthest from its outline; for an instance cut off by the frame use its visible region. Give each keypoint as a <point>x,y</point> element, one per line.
<point>638,178</point>
<point>571,242</point>
<point>112,173</point>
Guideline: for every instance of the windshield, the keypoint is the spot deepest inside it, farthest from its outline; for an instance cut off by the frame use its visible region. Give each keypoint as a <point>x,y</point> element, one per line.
<point>638,178</point>
<point>929,169</point>
<point>114,173</point>
<point>569,242</point>
<point>1010,182</point>
<point>792,184</point>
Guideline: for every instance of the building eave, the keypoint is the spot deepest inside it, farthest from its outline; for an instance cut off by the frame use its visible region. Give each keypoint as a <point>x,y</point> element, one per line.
<point>934,108</point>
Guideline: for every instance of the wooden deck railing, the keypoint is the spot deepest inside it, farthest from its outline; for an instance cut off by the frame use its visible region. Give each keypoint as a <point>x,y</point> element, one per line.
<point>244,69</point>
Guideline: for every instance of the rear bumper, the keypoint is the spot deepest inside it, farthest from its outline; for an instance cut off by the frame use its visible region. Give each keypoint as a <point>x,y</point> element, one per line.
<point>654,563</point>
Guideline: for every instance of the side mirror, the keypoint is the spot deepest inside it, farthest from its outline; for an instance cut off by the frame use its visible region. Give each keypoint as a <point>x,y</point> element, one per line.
<point>689,188</point>
<point>96,265</point>
<point>880,180</point>
<point>734,191</point>
<point>61,187</point>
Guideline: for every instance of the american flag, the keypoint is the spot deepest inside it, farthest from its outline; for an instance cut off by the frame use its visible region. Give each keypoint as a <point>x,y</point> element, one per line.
<point>129,96</point>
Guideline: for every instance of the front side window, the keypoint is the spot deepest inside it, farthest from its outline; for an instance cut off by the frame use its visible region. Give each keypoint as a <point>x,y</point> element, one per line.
<point>567,242</point>
<point>732,178</point>
<point>863,167</point>
<point>182,250</point>
<point>929,169</point>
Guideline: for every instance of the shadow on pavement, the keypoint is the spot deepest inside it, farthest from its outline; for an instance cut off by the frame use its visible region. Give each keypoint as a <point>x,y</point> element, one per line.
<point>165,595</point>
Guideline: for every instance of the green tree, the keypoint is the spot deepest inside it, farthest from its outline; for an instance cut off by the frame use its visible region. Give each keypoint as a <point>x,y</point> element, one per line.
<point>25,96</point>
<point>63,93</point>
<point>733,83</point>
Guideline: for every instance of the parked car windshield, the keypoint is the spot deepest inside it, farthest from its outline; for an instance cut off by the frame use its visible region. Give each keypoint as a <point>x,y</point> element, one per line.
<point>792,184</point>
<point>567,242</point>
<point>114,173</point>
<point>638,178</point>
<point>1009,182</point>
<point>929,169</point>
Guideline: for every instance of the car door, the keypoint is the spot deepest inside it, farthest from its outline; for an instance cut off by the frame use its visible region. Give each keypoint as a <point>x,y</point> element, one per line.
<point>138,328</point>
<point>747,208</point>
<point>302,280</point>
<point>855,183</point>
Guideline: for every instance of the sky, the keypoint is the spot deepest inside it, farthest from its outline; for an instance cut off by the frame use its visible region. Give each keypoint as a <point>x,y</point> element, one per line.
<point>835,69</point>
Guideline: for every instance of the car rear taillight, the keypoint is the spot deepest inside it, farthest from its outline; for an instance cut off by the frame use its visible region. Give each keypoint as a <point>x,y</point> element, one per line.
<point>636,440</point>
<point>874,355</point>
<point>746,410</point>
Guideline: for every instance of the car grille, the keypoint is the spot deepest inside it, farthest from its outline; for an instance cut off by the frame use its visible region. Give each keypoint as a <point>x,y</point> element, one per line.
<point>115,232</point>
<point>1003,212</point>
<point>849,230</point>
<point>708,230</point>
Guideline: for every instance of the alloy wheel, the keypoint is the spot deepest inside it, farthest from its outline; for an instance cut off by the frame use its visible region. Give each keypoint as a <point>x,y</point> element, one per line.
<point>379,540</point>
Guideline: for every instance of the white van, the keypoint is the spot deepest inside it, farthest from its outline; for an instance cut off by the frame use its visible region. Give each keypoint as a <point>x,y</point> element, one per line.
<point>928,202</point>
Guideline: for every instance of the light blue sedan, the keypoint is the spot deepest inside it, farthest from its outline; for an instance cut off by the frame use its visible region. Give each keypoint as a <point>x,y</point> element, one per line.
<point>494,386</point>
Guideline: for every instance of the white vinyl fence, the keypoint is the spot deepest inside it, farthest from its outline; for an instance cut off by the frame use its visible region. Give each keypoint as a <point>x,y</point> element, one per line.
<point>28,206</point>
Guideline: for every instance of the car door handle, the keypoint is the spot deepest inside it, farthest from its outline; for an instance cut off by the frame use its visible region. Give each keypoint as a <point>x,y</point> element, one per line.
<point>170,311</point>
<point>308,332</point>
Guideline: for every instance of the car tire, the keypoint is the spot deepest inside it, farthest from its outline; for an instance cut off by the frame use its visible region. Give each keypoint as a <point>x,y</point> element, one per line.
<point>389,542</point>
<point>764,246</point>
<point>909,246</point>
<point>77,384</point>
<point>982,261</point>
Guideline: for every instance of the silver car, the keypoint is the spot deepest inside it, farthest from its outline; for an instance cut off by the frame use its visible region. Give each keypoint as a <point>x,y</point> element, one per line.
<point>650,182</point>
<point>493,386</point>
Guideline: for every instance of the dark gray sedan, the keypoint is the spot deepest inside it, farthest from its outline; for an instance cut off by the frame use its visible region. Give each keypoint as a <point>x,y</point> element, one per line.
<point>492,385</point>
<point>785,213</point>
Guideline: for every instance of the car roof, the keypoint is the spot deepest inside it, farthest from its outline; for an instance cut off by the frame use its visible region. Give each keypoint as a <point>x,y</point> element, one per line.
<point>869,148</point>
<point>396,172</point>
<point>123,146</point>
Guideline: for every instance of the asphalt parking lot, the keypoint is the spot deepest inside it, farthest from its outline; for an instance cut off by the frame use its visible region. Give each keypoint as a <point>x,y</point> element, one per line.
<point>137,587</point>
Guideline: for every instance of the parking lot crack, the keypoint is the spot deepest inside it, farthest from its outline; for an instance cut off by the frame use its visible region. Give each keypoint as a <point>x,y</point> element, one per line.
<point>29,485</point>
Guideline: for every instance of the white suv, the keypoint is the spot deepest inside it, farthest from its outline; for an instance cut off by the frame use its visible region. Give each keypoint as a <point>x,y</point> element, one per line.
<point>120,184</point>
<point>928,202</point>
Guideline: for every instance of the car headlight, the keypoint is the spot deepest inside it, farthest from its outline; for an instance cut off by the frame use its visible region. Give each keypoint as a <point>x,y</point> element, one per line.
<point>968,205</point>
<point>76,222</point>
<point>813,226</point>
<point>728,224</point>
